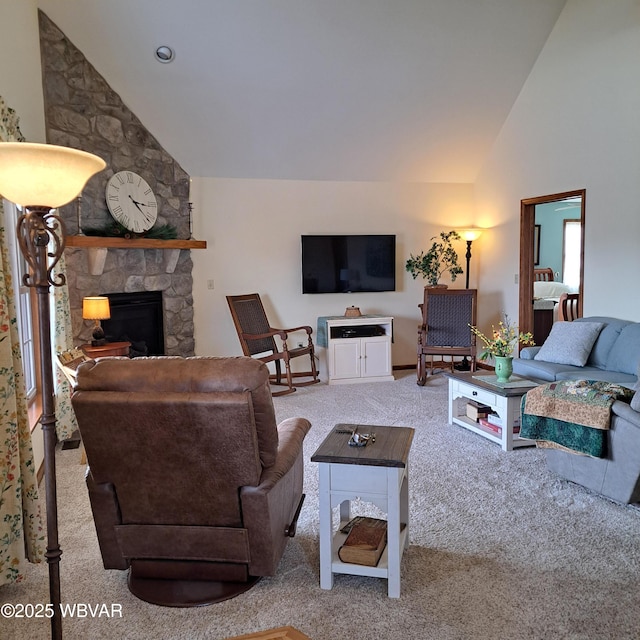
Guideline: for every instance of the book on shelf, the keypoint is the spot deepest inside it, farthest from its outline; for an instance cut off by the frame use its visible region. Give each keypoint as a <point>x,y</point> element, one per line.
<point>494,418</point>
<point>496,428</point>
<point>477,410</point>
<point>365,541</point>
<point>487,424</point>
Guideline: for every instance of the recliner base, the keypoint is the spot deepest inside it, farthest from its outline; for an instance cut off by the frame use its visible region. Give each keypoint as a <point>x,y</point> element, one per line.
<point>186,593</point>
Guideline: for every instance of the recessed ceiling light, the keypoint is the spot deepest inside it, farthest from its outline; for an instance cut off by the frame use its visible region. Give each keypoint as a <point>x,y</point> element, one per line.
<point>164,54</point>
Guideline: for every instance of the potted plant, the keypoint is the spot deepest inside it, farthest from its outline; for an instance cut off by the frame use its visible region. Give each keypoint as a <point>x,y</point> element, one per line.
<point>440,258</point>
<point>500,346</point>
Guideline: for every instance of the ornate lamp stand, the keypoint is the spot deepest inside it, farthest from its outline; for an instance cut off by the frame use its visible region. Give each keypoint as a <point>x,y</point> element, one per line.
<point>54,175</point>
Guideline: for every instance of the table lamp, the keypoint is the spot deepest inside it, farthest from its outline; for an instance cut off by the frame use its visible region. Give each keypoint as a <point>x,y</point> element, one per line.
<point>96,308</point>
<point>42,177</point>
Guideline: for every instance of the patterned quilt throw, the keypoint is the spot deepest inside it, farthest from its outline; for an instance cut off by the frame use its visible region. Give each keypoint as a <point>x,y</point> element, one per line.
<point>571,414</point>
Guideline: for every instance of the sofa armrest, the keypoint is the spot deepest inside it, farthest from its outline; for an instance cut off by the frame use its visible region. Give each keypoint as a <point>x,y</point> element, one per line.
<point>269,508</point>
<point>529,353</point>
<point>624,411</point>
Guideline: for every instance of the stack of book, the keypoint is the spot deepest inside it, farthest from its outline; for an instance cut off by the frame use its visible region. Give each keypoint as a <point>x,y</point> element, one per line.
<point>365,542</point>
<point>494,422</point>
<point>477,410</point>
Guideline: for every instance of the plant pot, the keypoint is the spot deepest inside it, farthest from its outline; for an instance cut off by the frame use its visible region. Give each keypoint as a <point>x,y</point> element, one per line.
<point>504,367</point>
<point>437,286</point>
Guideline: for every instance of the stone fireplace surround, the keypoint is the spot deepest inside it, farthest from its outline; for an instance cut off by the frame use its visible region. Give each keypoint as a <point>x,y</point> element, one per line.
<point>83,112</point>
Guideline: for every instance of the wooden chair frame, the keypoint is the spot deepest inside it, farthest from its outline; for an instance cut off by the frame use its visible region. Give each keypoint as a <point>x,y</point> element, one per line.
<point>258,338</point>
<point>569,307</point>
<point>445,331</point>
<point>543,275</point>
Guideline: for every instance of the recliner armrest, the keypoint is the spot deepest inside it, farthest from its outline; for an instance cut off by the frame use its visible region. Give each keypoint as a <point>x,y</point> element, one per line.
<point>269,508</point>
<point>291,434</point>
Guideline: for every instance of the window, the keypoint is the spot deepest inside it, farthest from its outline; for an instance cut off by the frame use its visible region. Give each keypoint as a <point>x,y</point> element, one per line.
<point>24,301</point>
<point>571,244</point>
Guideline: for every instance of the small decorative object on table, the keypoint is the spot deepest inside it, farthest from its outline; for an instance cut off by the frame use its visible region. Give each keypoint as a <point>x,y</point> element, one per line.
<point>352,312</point>
<point>500,346</point>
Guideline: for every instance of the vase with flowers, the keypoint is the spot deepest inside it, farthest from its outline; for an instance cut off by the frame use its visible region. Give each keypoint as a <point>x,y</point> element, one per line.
<point>500,346</point>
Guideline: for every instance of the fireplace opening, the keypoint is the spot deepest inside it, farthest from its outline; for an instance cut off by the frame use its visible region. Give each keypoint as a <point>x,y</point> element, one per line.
<point>136,318</point>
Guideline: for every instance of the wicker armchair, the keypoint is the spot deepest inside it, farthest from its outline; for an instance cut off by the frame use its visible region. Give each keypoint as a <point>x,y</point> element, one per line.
<point>445,331</point>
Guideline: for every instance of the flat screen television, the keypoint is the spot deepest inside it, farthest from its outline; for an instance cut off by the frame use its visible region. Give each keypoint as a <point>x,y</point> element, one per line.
<point>348,263</point>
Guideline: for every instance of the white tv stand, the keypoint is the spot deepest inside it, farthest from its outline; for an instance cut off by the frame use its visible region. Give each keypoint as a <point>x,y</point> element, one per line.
<point>359,349</point>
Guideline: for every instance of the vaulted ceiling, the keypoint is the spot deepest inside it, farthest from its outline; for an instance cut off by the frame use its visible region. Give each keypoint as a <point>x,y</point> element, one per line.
<point>398,90</point>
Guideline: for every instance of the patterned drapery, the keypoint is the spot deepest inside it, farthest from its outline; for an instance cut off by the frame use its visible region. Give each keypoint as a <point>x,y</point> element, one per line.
<point>66,422</point>
<point>21,529</point>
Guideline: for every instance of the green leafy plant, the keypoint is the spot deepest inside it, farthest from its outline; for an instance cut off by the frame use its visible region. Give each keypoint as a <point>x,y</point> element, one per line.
<point>440,259</point>
<point>503,339</point>
<point>116,230</point>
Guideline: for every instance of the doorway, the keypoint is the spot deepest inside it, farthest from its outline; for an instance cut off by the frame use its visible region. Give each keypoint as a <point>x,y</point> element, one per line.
<point>530,240</point>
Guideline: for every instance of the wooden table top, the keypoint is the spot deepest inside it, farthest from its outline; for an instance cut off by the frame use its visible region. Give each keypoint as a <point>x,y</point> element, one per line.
<point>390,449</point>
<point>517,385</point>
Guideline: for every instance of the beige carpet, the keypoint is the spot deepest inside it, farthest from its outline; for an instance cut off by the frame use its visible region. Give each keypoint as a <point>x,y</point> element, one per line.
<point>281,633</point>
<point>500,548</point>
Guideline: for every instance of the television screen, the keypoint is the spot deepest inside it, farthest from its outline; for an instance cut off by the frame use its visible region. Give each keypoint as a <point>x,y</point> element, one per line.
<point>349,263</point>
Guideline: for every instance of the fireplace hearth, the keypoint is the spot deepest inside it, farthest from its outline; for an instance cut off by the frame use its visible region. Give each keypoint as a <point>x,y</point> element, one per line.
<point>137,318</point>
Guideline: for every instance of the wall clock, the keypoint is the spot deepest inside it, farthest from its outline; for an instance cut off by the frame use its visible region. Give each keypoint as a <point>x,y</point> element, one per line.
<point>131,201</point>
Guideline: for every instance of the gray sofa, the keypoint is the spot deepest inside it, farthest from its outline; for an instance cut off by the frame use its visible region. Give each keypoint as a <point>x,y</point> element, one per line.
<point>618,475</point>
<point>615,357</point>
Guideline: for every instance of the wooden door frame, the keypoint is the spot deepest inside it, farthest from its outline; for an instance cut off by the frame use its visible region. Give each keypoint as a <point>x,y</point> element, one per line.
<point>527,222</point>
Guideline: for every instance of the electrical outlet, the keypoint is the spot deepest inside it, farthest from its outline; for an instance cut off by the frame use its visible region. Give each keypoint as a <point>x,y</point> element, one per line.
<point>516,279</point>
<point>210,284</point>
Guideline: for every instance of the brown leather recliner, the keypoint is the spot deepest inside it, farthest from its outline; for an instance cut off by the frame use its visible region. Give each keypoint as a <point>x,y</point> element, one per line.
<point>193,486</point>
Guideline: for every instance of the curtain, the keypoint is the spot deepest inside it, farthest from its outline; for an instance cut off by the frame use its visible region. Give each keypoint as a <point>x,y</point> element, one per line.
<point>66,422</point>
<point>22,533</point>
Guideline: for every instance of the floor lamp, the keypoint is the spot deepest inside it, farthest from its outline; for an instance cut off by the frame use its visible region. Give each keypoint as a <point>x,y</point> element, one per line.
<point>42,177</point>
<point>469,235</point>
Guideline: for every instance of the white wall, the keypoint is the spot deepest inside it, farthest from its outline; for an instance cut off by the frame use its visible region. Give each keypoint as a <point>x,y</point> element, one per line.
<point>576,124</point>
<point>21,88</point>
<point>253,230</point>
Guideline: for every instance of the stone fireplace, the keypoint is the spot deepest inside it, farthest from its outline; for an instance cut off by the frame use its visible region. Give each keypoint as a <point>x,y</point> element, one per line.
<point>83,112</point>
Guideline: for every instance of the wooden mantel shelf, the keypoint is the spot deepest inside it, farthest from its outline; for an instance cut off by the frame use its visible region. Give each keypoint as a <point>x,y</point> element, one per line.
<point>133,243</point>
<point>99,245</point>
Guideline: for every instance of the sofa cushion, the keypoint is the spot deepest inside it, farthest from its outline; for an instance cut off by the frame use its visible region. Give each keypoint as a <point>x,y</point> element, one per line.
<point>570,343</point>
<point>606,338</point>
<point>593,373</point>
<point>625,352</point>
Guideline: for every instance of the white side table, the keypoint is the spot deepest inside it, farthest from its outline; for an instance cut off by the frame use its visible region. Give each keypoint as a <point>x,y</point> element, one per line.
<point>377,473</point>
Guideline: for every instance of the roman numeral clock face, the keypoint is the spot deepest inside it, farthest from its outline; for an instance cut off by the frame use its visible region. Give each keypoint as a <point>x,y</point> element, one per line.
<point>131,201</point>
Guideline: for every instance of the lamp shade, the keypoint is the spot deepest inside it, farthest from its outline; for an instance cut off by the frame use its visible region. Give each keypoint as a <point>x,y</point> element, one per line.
<point>44,174</point>
<point>470,234</point>
<point>96,308</point>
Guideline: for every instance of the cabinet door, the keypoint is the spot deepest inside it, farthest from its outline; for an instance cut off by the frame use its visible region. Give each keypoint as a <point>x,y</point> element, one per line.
<point>344,358</point>
<point>376,357</point>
